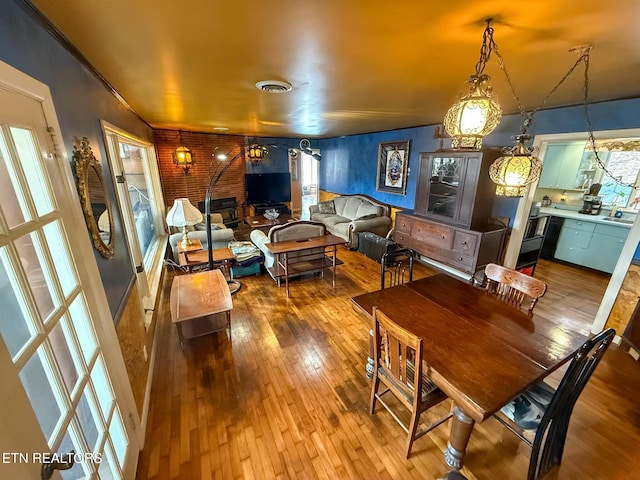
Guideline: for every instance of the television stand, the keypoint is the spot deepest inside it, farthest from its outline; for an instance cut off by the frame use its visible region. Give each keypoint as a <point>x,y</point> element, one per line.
<point>260,208</point>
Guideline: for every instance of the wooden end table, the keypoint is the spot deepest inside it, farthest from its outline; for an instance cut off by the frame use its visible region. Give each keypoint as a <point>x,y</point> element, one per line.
<point>192,259</point>
<point>196,301</point>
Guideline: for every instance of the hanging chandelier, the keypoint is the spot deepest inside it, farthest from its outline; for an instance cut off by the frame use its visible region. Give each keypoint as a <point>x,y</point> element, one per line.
<point>515,169</point>
<point>476,114</point>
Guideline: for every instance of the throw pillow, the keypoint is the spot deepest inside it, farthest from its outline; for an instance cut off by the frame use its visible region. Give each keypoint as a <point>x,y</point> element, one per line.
<point>366,217</point>
<point>327,207</point>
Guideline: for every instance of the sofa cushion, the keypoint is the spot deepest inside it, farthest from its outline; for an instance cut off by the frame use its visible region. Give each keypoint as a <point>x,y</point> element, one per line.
<point>327,207</point>
<point>351,207</point>
<point>332,220</point>
<point>365,209</point>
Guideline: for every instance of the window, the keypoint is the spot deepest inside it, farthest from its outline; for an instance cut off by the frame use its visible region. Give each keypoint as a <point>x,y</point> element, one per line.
<point>134,166</point>
<point>623,166</point>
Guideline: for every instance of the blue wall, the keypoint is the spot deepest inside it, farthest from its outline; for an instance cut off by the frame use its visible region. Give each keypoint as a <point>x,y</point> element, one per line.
<point>81,101</point>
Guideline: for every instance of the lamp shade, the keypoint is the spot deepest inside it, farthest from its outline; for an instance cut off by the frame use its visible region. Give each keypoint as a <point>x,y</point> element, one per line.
<point>473,116</point>
<point>515,169</point>
<point>182,213</point>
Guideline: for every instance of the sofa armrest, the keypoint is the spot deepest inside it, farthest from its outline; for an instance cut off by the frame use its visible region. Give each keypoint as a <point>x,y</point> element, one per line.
<point>378,225</point>
<point>260,240</point>
<point>313,209</point>
<point>371,224</point>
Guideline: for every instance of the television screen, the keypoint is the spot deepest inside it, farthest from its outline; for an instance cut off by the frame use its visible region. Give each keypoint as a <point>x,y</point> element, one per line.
<point>268,187</point>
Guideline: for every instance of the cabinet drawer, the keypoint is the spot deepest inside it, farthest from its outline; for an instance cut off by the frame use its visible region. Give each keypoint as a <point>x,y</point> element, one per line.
<point>459,260</point>
<point>465,242</point>
<point>435,234</point>
<point>620,232</point>
<point>570,223</point>
<point>403,224</point>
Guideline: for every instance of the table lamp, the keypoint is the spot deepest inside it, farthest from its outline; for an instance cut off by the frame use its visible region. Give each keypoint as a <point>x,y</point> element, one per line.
<point>183,214</point>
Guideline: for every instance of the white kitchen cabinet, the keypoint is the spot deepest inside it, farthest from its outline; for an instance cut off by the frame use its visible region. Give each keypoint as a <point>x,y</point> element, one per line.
<point>560,167</point>
<point>591,244</point>
<point>605,247</point>
<point>574,240</point>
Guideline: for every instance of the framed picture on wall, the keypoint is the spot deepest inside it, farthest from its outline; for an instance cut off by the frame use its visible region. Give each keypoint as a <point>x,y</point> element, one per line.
<point>393,163</point>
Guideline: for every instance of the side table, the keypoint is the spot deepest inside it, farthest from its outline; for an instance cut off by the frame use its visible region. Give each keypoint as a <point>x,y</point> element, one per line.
<point>195,302</point>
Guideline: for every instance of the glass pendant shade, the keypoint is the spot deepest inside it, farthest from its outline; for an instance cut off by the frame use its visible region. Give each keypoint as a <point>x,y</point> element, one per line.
<point>515,169</point>
<point>182,157</point>
<point>473,116</point>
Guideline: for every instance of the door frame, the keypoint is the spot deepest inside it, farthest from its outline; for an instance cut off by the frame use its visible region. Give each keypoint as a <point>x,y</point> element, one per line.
<point>16,81</point>
<point>522,216</point>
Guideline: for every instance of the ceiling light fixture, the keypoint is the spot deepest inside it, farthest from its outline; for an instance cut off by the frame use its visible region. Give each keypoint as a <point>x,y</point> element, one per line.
<point>305,147</point>
<point>519,166</point>
<point>476,114</point>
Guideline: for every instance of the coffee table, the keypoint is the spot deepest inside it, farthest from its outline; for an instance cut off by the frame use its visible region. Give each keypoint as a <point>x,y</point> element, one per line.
<point>282,250</point>
<point>259,222</point>
<point>196,301</point>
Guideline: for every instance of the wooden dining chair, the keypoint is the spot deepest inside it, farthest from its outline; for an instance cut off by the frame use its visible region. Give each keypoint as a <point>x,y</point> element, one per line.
<point>547,412</point>
<point>396,267</point>
<point>513,287</point>
<point>398,366</point>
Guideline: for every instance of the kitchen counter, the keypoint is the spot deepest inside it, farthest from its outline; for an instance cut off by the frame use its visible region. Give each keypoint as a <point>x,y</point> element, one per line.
<point>573,214</point>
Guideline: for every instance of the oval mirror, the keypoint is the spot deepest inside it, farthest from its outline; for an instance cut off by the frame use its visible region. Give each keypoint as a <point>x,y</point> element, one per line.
<point>94,198</point>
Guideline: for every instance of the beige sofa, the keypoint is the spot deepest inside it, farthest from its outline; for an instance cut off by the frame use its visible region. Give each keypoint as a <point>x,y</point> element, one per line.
<point>348,215</point>
<point>220,235</point>
<point>290,231</point>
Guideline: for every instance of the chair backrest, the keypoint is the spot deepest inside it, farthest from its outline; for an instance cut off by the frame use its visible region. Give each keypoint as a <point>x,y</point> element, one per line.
<point>396,267</point>
<point>512,286</point>
<point>398,353</point>
<point>548,444</point>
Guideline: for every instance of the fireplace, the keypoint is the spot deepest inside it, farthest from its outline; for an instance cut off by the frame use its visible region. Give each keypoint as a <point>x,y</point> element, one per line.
<point>227,207</point>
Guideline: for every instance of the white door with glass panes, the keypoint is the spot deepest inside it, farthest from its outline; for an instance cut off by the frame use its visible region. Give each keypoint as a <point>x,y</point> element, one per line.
<point>65,394</point>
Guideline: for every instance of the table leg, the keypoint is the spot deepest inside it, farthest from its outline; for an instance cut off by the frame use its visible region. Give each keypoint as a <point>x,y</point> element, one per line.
<point>286,272</point>
<point>334,267</point>
<point>370,366</point>
<point>180,337</point>
<point>461,428</point>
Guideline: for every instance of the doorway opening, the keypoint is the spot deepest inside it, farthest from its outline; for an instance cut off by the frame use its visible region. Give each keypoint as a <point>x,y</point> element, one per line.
<point>568,196</point>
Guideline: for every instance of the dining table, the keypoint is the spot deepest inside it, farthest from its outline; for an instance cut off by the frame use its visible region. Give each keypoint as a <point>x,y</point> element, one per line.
<point>479,350</point>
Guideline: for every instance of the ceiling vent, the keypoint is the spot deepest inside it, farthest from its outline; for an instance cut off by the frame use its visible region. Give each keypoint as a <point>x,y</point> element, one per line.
<point>274,86</point>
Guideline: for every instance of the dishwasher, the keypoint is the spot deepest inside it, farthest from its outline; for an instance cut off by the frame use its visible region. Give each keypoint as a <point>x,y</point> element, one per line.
<point>551,238</point>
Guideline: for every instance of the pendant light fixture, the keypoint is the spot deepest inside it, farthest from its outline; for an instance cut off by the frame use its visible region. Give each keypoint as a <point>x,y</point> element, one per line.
<point>476,114</point>
<point>515,169</point>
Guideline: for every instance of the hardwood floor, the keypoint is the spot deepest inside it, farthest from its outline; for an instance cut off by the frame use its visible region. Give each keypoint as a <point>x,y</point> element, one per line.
<point>286,397</point>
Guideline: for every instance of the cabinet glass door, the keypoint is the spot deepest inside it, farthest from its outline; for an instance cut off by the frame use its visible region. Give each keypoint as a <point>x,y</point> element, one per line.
<point>444,185</point>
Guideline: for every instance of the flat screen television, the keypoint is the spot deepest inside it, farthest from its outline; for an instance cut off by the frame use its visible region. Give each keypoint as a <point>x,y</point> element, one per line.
<point>265,188</point>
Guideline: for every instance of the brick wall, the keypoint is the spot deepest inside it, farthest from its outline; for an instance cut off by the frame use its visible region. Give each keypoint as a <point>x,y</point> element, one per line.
<point>175,184</point>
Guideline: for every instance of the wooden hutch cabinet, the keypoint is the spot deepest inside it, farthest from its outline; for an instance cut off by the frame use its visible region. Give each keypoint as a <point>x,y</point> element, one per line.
<point>450,222</point>
<point>455,188</point>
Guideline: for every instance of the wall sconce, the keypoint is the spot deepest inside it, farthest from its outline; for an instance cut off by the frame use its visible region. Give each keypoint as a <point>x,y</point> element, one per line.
<point>476,114</point>
<point>257,153</point>
<point>182,156</point>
